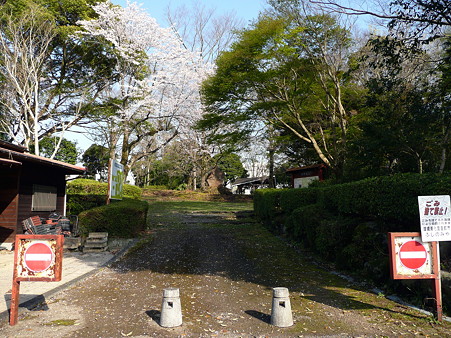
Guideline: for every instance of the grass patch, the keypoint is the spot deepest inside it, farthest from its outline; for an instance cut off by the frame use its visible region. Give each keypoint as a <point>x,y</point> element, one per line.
<point>278,264</point>
<point>199,206</point>
<point>190,195</point>
<point>168,212</point>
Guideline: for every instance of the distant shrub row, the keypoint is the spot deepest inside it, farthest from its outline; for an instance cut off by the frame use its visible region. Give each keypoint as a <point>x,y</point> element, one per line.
<point>348,223</point>
<point>84,194</point>
<point>123,219</point>
<point>92,187</point>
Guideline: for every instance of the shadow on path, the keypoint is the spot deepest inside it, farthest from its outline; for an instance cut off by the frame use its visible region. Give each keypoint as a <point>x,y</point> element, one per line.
<point>214,245</point>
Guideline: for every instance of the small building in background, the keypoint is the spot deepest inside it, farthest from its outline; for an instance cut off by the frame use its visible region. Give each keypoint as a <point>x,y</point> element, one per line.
<point>301,177</point>
<point>246,186</point>
<point>30,185</point>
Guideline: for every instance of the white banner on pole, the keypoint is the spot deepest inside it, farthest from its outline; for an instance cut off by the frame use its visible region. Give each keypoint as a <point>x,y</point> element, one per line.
<point>116,180</point>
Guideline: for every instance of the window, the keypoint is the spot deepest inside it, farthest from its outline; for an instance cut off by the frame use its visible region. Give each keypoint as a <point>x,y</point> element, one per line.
<point>44,198</point>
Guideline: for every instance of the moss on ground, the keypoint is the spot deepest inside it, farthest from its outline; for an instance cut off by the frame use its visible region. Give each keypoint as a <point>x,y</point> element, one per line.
<point>62,322</point>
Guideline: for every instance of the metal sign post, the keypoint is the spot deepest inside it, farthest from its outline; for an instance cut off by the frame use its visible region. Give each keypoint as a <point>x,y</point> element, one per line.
<point>36,258</point>
<point>435,220</point>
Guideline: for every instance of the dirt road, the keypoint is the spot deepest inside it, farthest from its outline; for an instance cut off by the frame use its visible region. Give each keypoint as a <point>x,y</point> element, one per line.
<point>225,269</point>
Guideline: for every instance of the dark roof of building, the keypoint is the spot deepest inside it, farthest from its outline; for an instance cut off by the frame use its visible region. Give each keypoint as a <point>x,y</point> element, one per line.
<point>313,166</point>
<point>16,155</point>
<point>247,180</point>
<point>10,163</point>
<point>12,146</point>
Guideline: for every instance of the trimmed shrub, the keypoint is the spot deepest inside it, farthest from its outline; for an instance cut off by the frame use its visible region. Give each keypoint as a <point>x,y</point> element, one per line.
<point>366,252</point>
<point>76,203</point>
<point>390,198</point>
<point>84,194</point>
<point>332,234</point>
<point>302,224</point>
<point>123,219</point>
<point>348,223</point>
<point>86,186</point>
<point>291,199</point>
<point>267,206</point>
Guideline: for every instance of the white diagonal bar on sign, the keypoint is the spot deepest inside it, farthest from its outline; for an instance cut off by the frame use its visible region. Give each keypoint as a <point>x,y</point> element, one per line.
<point>413,254</point>
<point>38,257</point>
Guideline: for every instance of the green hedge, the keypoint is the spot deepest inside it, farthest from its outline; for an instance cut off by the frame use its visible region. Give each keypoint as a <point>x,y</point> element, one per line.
<point>302,224</point>
<point>76,203</point>
<point>124,219</point>
<point>291,199</point>
<point>348,223</point>
<point>86,186</point>
<point>267,205</point>
<point>390,199</point>
<point>84,194</point>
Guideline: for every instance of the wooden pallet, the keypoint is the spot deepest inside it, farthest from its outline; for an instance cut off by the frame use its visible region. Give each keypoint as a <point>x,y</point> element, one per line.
<point>96,242</point>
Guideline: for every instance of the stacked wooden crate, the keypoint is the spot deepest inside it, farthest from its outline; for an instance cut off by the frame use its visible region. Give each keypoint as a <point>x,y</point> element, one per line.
<point>96,241</point>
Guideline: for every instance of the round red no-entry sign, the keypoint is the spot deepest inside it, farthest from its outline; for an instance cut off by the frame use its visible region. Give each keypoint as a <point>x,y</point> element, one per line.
<point>38,257</point>
<point>413,255</point>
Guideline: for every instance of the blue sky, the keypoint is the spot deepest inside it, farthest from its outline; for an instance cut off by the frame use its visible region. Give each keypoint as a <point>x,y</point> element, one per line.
<point>244,9</point>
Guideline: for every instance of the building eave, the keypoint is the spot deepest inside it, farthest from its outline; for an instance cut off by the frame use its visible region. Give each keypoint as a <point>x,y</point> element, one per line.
<point>21,157</point>
<point>313,166</point>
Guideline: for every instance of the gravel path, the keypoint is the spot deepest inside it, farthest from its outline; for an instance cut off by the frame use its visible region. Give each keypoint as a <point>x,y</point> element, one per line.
<point>225,269</point>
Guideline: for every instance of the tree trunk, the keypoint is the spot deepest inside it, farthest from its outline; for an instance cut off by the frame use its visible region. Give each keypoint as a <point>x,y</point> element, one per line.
<point>445,144</point>
<point>194,180</point>
<point>271,166</point>
<point>125,153</point>
<point>442,161</point>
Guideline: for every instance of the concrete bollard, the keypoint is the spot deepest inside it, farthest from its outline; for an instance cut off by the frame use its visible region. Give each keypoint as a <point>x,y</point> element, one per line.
<point>281,315</point>
<point>171,310</point>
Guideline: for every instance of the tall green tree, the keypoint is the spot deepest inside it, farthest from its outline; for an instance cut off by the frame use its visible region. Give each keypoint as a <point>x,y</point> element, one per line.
<point>287,71</point>
<point>444,100</point>
<point>59,149</point>
<point>403,125</point>
<point>95,159</point>
<point>172,168</point>
<point>230,164</point>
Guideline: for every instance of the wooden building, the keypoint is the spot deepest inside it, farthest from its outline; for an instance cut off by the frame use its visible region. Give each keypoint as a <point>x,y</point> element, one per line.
<point>30,185</point>
<point>246,186</point>
<point>301,177</point>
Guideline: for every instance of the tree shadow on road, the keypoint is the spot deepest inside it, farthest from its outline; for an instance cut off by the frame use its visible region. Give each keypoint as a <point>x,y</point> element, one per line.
<point>241,251</point>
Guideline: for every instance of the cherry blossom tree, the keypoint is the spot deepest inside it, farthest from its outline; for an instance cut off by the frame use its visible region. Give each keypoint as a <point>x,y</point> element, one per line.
<point>155,95</point>
<point>209,33</point>
<point>203,30</point>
